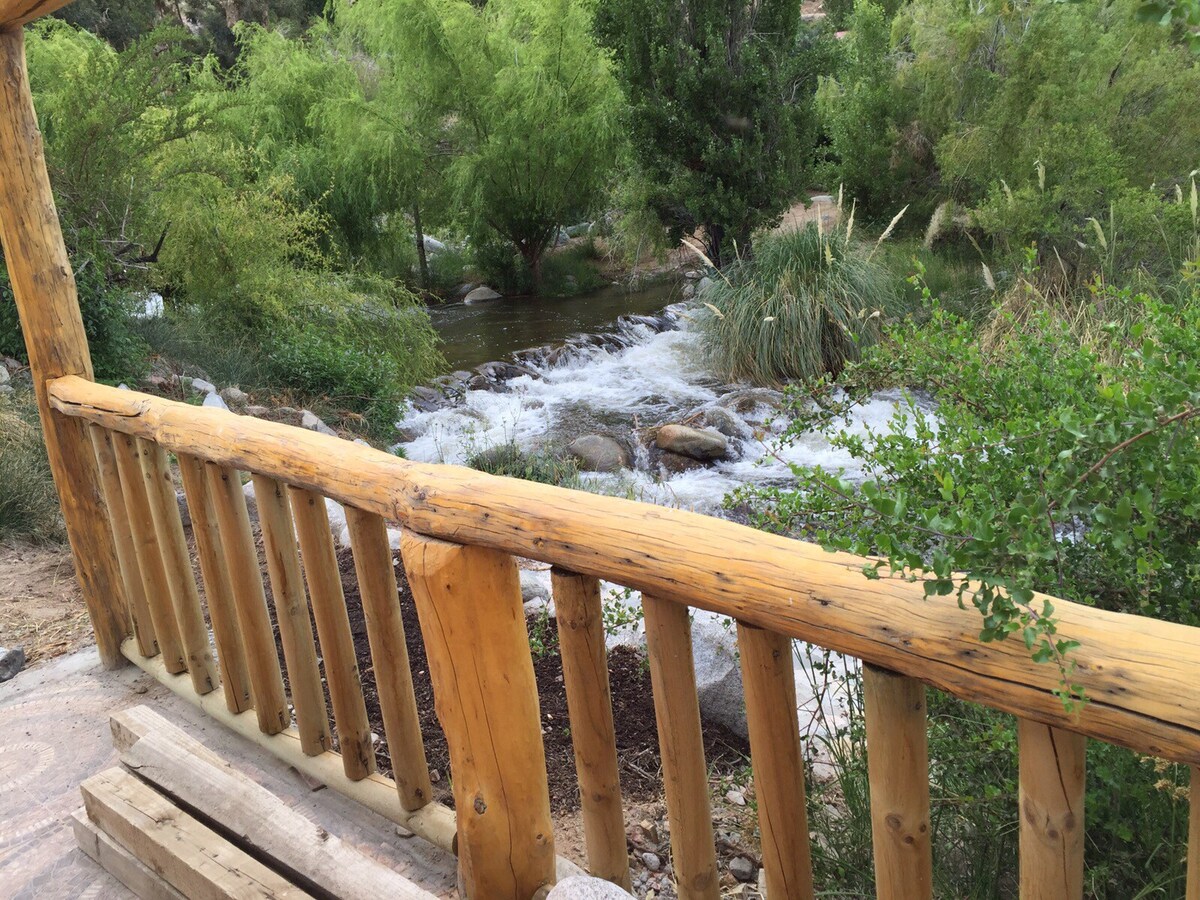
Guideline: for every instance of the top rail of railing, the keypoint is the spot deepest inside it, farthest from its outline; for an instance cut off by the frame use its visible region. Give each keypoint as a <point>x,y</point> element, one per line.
<point>1140,674</point>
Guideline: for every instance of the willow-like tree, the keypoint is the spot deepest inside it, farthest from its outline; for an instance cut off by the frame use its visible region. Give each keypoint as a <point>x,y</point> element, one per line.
<point>523,100</point>
<point>719,114</point>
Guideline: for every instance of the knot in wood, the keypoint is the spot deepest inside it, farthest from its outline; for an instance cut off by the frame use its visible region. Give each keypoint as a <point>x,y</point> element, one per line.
<point>480,806</point>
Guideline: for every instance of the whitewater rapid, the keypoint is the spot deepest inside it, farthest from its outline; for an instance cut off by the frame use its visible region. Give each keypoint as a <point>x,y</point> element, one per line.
<point>646,371</point>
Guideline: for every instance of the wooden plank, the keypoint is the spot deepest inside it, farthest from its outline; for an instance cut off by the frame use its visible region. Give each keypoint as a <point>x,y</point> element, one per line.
<point>473,621</point>
<point>389,655</point>
<point>43,285</point>
<point>148,552</point>
<point>333,630</point>
<point>138,608</point>
<point>250,600</point>
<point>1051,812</point>
<point>245,812</point>
<point>1131,666</point>
<point>177,565</point>
<point>589,702</point>
<point>291,614</point>
<point>218,589</point>
<point>898,770</point>
<point>681,743</point>
<point>1193,854</point>
<point>119,862</point>
<point>190,857</point>
<point>433,822</point>
<point>769,681</point>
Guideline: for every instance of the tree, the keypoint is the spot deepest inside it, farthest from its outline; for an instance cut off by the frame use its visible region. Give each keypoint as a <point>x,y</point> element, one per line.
<point>720,95</point>
<point>524,100</point>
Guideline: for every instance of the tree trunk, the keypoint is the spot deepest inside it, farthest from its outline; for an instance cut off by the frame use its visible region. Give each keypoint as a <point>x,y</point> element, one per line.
<point>422,259</point>
<point>714,237</point>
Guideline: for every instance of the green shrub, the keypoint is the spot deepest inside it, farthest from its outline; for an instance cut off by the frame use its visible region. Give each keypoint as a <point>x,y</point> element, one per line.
<point>570,271</point>
<point>118,352</point>
<point>860,108</point>
<point>1136,807</point>
<point>805,304</point>
<point>513,462</point>
<point>28,501</point>
<point>1091,500</point>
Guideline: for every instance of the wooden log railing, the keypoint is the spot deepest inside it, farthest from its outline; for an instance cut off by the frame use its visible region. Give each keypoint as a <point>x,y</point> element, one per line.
<point>461,532</point>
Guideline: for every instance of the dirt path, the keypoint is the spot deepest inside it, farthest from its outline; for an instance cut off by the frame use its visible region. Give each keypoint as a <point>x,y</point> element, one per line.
<point>41,608</point>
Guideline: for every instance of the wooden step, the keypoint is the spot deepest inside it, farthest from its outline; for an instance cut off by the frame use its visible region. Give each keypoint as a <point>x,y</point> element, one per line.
<point>179,821</point>
<point>190,857</point>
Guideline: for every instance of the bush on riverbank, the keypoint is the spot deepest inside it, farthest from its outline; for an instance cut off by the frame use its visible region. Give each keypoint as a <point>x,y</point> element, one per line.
<point>1059,456</point>
<point>804,305</point>
<point>28,502</point>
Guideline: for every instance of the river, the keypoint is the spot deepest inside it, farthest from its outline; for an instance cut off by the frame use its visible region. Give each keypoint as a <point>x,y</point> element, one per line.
<point>615,363</point>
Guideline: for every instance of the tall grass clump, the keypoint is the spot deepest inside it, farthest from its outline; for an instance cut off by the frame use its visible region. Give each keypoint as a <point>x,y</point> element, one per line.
<point>804,305</point>
<point>511,461</point>
<point>28,502</point>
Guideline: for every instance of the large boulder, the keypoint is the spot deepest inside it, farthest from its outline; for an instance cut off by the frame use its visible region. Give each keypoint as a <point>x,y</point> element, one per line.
<point>718,672</point>
<point>696,443</point>
<point>599,453</point>
<point>313,422</point>
<point>481,294</point>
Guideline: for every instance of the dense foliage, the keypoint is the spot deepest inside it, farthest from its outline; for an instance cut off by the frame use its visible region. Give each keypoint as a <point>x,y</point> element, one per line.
<point>1037,464</point>
<point>719,114</point>
<point>1036,117</point>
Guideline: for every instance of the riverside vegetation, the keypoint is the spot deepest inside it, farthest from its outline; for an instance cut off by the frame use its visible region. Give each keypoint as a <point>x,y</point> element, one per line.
<point>1017,252</point>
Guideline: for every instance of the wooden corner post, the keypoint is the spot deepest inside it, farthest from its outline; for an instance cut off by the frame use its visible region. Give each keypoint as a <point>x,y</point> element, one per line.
<point>473,622</point>
<point>44,287</point>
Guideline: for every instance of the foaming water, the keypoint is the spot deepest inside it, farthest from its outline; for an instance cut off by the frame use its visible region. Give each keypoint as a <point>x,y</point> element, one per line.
<point>645,372</point>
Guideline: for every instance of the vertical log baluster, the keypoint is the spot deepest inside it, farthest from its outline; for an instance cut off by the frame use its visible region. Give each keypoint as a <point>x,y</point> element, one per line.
<point>681,742</point>
<point>177,564</point>
<point>218,589</point>
<point>333,630</point>
<point>898,770</point>
<point>589,703</point>
<point>250,601</point>
<point>149,555</point>
<point>1051,811</point>
<point>43,286</point>
<point>473,621</point>
<point>118,520</point>
<point>1192,892</point>
<point>389,656</point>
<point>291,614</point>
<point>777,760</point>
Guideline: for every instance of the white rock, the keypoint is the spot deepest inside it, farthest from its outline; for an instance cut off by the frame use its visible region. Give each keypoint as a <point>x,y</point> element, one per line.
<point>313,422</point>
<point>584,887</point>
<point>535,589</point>
<point>481,294</point>
<point>251,499</point>
<point>152,307</point>
<point>201,386</point>
<point>214,401</point>
<point>433,245</point>
<point>4,376</point>
<point>702,286</point>
<point>718,674</point>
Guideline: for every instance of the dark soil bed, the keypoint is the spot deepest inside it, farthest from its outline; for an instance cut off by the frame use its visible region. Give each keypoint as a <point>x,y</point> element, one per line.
<point>633,708</point>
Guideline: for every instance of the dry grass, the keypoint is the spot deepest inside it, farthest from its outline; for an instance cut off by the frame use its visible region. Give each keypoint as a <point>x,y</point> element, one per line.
<point>41,608</point>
